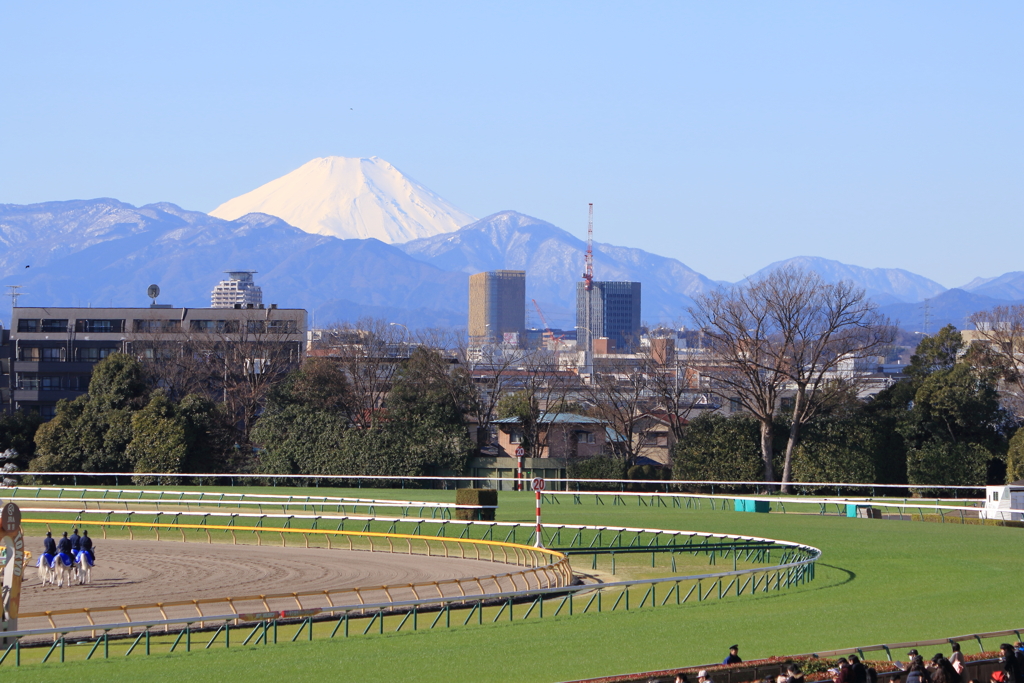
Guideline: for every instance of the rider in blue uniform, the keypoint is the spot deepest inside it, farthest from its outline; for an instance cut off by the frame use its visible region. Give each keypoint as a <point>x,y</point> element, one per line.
<point>64,547</point>
<point>87,546</point>
<point>76,543</point>
<point>49,548</point>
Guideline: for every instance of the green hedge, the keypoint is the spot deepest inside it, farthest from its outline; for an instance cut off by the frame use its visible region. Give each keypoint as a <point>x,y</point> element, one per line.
<point>476,497</point>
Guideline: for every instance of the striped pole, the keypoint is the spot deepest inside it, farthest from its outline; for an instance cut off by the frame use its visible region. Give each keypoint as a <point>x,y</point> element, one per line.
<point>538,486</point>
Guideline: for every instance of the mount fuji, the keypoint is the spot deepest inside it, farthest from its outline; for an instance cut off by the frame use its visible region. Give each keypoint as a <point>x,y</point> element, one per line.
<point>350,198</point>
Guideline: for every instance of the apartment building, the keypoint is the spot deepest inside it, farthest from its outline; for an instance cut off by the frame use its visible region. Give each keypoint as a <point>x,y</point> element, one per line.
<point>53,349</point>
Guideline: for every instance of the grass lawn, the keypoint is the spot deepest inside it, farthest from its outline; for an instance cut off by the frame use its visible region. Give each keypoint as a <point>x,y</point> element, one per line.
<point>878,581</point>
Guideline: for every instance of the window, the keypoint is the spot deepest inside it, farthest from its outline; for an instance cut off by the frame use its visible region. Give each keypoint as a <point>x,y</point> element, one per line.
<point>515,437</point>
<point>48,412</point>
<point>282,326</point>
<point>255,326</point>
<point>734,405</point>
<point>55,325</point>
<point>94,354</point>
<point>585,437</point>
<point>28,382</point>
<point>786,403</point>
<point>53,353</point>
<point>28,325</point>
<point>153,326</point>
<point>30,353</point>
<point>78,382</point>
<point>214,325</point>
<point>99,326</point>
<point>158,353</point>
<point>50,383</point>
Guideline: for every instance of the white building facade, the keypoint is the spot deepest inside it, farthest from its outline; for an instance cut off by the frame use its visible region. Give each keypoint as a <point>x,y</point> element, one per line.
<point>238,289</point>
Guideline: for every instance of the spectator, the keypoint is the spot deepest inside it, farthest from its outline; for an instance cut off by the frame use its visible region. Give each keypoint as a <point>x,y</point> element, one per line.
<point>943,671</point>
<point>1008,658</point>
<point>734,656</point>
<point>956,659</point>
<point>794,672</point>
<point>681,678</point>
<point>858,672</point>
<point>702,677</point>
<point>843,671</point>
<point>1020,659</point>
<point>916,672</point>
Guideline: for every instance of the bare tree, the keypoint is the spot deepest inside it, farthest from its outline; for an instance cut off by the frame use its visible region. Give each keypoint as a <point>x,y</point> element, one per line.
<point>788,331</point>
<point>497,370</point>
<point>620,395</point>
<point>672,381</point>
<point>369,352</point>
<point>1000,332</point>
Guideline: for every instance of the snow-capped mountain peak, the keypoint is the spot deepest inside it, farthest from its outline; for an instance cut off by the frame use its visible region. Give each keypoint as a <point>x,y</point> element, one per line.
<point>351,198</point>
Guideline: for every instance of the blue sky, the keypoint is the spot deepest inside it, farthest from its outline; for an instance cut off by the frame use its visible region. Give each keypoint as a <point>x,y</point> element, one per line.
<point>727,135</point>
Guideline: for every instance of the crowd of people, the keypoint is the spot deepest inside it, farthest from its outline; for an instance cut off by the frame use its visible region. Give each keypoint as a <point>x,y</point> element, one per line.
<point>939,669</point>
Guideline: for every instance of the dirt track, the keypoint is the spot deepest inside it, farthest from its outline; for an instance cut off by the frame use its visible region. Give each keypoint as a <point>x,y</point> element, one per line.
<point>139,572</point>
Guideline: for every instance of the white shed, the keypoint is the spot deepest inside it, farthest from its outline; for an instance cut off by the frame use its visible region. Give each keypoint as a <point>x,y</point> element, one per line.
<point>1000,500</point>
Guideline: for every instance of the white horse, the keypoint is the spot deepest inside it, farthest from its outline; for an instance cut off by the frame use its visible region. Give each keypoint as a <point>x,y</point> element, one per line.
<point>84,565</point>
<point>62,571</point>
<point>46,573</point>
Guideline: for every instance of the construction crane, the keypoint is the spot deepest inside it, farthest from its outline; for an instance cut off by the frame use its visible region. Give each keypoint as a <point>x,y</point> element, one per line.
<point>588,269</point>
<point>547,328</point>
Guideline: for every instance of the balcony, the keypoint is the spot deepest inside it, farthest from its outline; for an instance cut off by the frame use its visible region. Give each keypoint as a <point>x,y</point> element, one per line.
<point>43,396</point>
<point>52,367</point>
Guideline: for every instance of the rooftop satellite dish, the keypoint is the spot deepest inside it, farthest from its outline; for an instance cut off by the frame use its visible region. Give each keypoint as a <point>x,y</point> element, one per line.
<point>153,292</point>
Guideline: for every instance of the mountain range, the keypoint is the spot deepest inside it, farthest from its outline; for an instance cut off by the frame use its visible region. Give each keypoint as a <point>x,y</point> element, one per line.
<point>104,252</point>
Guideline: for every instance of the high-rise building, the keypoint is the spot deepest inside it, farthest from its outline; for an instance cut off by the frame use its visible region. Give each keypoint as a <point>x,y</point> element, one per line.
<point>614,313</point>
<point>239,288</point>
<point>497,307</point>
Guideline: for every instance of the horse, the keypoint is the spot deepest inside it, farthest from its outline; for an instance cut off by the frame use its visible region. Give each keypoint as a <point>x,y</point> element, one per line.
<point>84,562</point>
<point>43,566</point>
<point>62,566</point>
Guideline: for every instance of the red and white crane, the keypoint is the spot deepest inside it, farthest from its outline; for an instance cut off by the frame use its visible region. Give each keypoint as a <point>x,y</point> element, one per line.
<point>588,268</point>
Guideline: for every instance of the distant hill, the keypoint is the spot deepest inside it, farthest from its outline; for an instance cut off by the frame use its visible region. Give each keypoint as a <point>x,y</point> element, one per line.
<point>1007,286</point>
<point>553,260</point>
<point>350,199</point>
<point>884,285</point>
<point>104,252</point>
<point>952,307</point>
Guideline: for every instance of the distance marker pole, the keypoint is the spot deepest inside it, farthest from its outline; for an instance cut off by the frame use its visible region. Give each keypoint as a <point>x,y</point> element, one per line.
<point>538,487</point>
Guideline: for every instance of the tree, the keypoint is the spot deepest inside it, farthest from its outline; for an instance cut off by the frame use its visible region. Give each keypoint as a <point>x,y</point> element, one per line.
<point>957,405</point>
<point>719,448</point>
<point>428,405</point>
<point>787,330</point>
<point>620,395</point>
<point>159,443</point>
<point>944,463</point>
<point>1001,348</point>
<point>368,354</point>
<point>17,432</point>
<point>119,426</point>
<point>938,352</point>
<point>672,381</point>
<point>1015,458</point>
<point>836,449</point>
<point>544,390</point>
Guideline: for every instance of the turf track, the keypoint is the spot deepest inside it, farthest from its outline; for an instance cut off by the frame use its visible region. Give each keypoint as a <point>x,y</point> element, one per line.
<point>878,581</point>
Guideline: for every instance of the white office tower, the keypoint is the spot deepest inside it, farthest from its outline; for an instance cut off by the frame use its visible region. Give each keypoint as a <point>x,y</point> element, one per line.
<point>239,288</point>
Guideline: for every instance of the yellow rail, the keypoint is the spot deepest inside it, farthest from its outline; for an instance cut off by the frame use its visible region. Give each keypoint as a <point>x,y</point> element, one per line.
<point>305,532</point>
<point>524,555</point>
